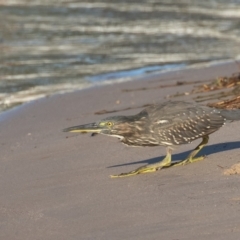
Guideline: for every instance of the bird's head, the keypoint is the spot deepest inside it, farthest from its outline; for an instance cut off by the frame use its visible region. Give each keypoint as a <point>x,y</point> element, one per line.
<point>118,126</point>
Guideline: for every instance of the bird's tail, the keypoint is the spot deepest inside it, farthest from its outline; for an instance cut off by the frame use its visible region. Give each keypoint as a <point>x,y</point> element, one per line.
<point>232,115</point>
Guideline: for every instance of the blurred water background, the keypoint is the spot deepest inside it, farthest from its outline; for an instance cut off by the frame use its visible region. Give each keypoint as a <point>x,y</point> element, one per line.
<point>51,46</point>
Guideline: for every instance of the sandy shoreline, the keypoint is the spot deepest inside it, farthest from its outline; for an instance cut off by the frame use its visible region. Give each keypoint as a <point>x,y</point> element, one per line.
<point>56,185</point>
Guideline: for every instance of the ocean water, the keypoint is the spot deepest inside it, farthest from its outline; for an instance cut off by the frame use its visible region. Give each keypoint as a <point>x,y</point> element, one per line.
<point>57,46</point>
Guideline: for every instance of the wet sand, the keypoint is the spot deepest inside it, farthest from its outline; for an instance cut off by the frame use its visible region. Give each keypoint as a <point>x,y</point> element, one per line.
<point>56,185</point>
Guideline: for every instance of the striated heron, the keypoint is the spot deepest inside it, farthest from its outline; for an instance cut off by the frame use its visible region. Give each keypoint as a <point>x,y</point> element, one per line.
<point>165,124</point>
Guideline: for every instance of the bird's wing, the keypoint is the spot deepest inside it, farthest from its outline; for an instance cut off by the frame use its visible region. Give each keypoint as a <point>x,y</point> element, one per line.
<point>184,124</point>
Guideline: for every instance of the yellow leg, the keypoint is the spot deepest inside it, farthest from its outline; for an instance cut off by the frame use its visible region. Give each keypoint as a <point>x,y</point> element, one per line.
<point>149,167</point>
<point>190,158</point>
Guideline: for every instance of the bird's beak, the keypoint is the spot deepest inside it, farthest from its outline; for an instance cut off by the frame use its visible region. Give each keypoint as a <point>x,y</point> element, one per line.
<point>86,128</point>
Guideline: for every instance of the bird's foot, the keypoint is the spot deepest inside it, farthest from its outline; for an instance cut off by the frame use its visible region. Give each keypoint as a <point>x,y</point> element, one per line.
<point>147,168</point>
<point>188,160</point>
<point>140,170</point>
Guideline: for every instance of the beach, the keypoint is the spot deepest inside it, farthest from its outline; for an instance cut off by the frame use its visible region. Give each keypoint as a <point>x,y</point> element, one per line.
<point>56,185</point>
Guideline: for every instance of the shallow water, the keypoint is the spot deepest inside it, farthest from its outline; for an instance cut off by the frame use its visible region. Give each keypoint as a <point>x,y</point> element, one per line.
<point>62,45</point>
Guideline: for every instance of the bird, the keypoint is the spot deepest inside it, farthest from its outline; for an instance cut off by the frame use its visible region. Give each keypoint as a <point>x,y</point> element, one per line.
<point>167,124</point>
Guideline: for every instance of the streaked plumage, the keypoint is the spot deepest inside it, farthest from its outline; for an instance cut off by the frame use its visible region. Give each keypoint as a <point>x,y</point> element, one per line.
<point>167,124</point>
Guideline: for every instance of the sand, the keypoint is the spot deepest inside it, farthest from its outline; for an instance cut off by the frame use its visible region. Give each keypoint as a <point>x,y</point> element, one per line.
<point>56,185</point>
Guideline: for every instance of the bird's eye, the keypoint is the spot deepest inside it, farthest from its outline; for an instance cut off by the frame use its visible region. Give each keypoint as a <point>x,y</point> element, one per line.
<point>109,124</point>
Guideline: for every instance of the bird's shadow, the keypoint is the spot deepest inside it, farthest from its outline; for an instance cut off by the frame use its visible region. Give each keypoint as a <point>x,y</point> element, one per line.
<point>208,150</point>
